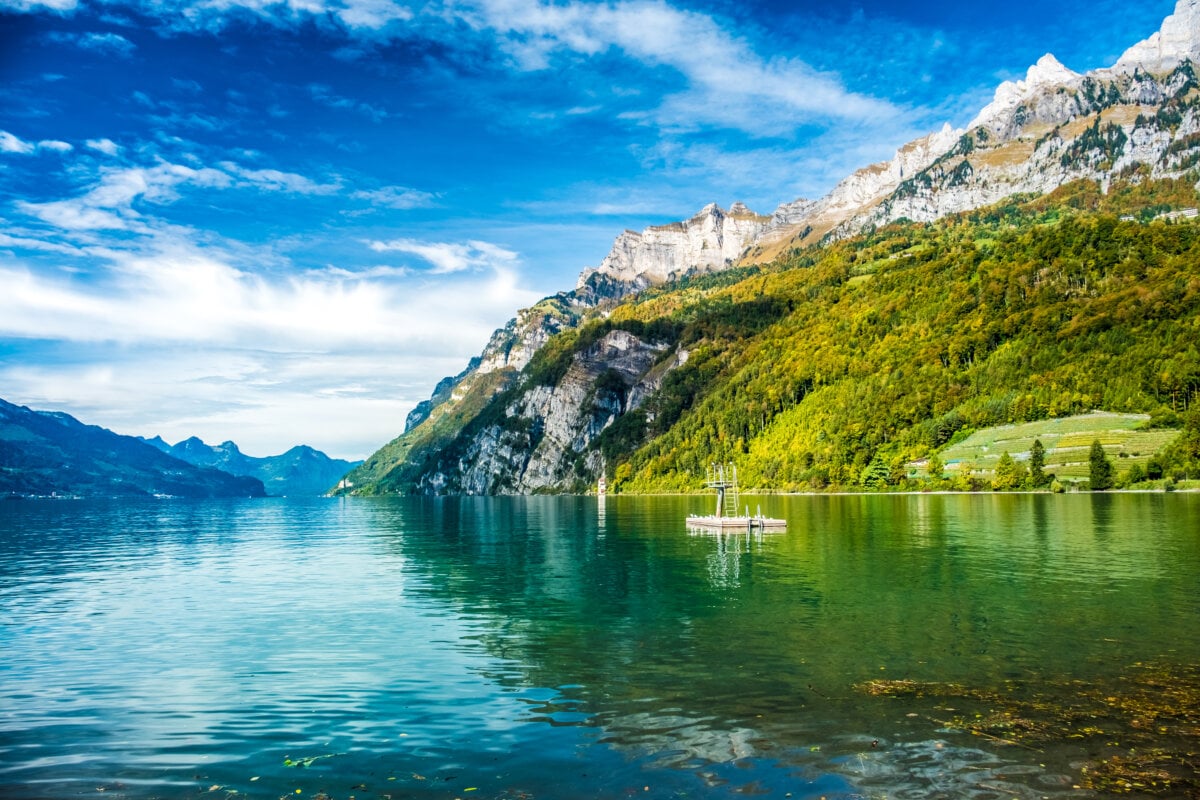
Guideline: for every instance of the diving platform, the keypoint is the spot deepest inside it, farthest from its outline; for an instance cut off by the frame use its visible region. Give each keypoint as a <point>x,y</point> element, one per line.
<point>723,478</point>
<point>746,523</point>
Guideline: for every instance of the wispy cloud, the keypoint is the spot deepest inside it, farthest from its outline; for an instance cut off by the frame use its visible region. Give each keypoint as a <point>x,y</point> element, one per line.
<point>106,146</point>
<point>448,257</point>
<point>728,83</point>
<point>10,143</point>
<point>330,99</point>
<point>276,180</point>
<point>107,43</point>
<point>397,197</point>
<point>177,292</point>
<point>57,6</point>
<point>722,79</point>
<point>111,202</point>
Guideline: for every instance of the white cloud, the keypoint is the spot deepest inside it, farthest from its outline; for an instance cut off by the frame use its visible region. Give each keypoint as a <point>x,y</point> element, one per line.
<point>57,6</point>
<point>109,204</point>
<point>12,144</point>
<point>728,83</point>
<point>448,257</point>
<point>106,146</point>
<point>333,358</point>
<point>725,81</point>
<point>277,181</point>
<point>398,197</point>
<point>105,43</point>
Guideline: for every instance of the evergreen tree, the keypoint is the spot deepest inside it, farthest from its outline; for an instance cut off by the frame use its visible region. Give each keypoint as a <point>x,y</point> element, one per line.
<point>876,474</point>
<point>1100,471</point>
<point>1037,464</point>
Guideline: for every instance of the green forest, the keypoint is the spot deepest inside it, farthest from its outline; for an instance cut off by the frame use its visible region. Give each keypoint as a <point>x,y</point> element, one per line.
<point>843,364</point>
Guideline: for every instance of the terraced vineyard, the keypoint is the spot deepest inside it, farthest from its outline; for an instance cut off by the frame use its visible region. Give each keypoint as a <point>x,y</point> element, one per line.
<point>1067,441</point>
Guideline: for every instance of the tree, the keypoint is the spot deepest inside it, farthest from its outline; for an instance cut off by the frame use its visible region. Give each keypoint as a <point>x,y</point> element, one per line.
<point>1100,469</point>
<point>1010,475</point>
<point>876,474</point>
<point>934,468</point>
<point>1037,464</point>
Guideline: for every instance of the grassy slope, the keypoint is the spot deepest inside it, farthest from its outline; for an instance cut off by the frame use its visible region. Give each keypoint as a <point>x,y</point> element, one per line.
<point>1067,440</point>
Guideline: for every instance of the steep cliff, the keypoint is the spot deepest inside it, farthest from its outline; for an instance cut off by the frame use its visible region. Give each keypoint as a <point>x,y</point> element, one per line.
<point>710,241</point>
<point>542,440</point>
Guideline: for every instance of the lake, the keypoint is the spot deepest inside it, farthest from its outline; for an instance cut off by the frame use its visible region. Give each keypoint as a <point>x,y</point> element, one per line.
<point>558,647</point>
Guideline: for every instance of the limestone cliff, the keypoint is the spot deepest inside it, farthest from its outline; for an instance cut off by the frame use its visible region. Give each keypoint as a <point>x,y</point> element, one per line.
<point>543,439</point>
<point>712,240</point>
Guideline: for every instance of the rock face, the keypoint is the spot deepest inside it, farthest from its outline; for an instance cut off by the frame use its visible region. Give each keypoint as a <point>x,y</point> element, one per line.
<point>712,240</point>
<point>1047,72</point>
<point>1176,42</point>
<point>1050,128</point>
<point>805,221</point>
<point>1095,127</point>
<point>543,441</point>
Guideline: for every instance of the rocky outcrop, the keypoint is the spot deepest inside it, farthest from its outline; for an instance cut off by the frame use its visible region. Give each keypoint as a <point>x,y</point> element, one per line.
<point>1091,127</point>
<point>1176,42</point>
<point>543,442</point>
<point>805,221</point>
<point>1046,73</point>
<point>712,240</point>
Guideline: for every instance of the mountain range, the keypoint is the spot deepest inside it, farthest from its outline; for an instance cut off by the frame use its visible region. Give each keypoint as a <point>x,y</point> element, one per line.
<point>301,471</point>
<point>50,453</point>
<point>592,380</point>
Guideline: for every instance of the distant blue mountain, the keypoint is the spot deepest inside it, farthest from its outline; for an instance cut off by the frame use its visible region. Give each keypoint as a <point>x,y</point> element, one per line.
<point>51,453</point>
<point>299,472</point>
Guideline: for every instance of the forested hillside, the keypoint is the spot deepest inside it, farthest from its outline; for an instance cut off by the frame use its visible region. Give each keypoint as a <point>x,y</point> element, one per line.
<point>838,364</point>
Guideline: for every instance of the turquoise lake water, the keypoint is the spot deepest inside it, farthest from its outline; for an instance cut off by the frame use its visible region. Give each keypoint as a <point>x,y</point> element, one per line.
<point>566,647</point>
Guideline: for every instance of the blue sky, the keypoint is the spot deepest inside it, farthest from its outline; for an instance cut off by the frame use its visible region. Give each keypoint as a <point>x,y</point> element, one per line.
<point>284,222</point>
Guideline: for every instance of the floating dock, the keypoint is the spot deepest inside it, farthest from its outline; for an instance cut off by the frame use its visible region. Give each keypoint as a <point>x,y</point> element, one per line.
<point>720,524</point>
<point>723,478</point>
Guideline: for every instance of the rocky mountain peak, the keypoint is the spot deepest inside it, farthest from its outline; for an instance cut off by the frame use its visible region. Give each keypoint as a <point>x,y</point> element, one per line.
<point>1177,41</point>
<point>1048,71</point>
<point>710,240</point>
